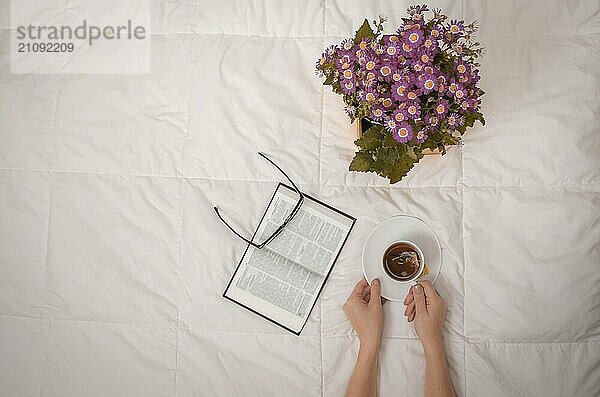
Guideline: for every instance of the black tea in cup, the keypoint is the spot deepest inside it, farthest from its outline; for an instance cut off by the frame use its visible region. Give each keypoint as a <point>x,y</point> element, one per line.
<point>401,261</point>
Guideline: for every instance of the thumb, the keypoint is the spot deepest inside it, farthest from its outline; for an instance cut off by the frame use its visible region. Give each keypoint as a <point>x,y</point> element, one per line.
<point>375,293</point>
<point>419,294</point>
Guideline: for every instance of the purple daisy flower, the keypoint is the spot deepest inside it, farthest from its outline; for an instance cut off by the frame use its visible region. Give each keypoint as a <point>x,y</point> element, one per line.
<point>380,50</point>
<point>391,50</point>
<point>348,86</point>
<point>412,95</point>
<point>368,82</point>
<point>432,121</point>
<point>369,94</point>
<point>391,125</point>
<point>377,113</point>
<point>391,39</point>
<point>442,79</point>
<point>441,108</point>
<point>397,75</point>
<point>369,79</point>
<point>347,74</point>
<point>408,50</point>
<point>416,11</point>
<point>347,44</point>
<point>431,70</point>
<point>425,57</point>
<point>385,70</point>
<point>359,55</point>
<point>453,86</point>
<point>463,78</point>
<point>413,37</point>
<point>430,44</point>
<point>474,104</point>
<point>343,63</point>
<point>421,135</point>
<point>418,67</point>
<point>386,102</point>
<point>437,32</point>
<point>399,90</point>
<point>460,93</point>
<point>363,45</point>
<point>403,132</point>
<point>462,68</point>
<point>413,110</point>
<point>331,50</point>
<point>371,63</point>
<point>319,65</point>
<point>399,115</point>
<point>456,27</point>
<point>427,82</point>
<point>454,120</point>
<point>401,61</point>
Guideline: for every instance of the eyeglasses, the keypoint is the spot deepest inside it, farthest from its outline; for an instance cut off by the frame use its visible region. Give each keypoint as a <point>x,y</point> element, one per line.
<point>287,220</point>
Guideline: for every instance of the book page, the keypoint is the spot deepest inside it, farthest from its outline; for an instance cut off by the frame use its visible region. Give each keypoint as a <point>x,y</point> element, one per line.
<point>309,239</point>
<point>282,280</point>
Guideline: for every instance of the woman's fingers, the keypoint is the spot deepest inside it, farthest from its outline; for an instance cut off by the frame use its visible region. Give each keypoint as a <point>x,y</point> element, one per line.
<point>375,294</point>
<point>410,308</point>
<point>420,300</point>
<point>359,288</point>
<point>430,292</point>
<point>409,297</point>
<point>366,294</point>
<point>411,316</point>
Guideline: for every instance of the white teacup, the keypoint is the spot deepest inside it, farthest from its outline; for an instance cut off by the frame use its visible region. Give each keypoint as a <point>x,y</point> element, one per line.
<point>396,248</point>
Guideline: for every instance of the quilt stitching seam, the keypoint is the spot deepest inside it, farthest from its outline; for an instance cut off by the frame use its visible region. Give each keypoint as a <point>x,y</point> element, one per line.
<point>182,216</point>
<point>586,187</point>
<point>321,350</point>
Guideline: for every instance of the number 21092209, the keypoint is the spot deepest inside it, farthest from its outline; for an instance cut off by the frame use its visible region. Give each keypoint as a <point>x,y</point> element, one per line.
<point>46,47</point>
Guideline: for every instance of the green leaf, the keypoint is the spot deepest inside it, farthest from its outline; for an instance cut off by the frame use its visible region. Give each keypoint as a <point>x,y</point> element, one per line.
<point>362,162</point>
<point>400,169</point>
<point>389,141</point>
<point>369,142</point>
<point>385,158</point>
<point>429,144</point>
<point>364,32</point>
<point>371,139</point>
<point>337,88</point>
<point>411,152</point>
<point>450,140</point>
<point>376,129</point>
<point>480,118</point>
<point>329,79</point>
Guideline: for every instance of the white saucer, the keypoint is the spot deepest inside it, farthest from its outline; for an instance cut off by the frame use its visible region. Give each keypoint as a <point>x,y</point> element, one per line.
<point>401,227</point>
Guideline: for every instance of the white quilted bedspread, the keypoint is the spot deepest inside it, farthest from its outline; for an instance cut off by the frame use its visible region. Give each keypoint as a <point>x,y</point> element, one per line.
<point>112,263</point>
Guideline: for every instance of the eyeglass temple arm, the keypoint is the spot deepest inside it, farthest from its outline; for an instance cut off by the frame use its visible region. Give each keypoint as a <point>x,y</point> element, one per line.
<point>280,170</point>
<point>238,234</point>
<point>231,228</point>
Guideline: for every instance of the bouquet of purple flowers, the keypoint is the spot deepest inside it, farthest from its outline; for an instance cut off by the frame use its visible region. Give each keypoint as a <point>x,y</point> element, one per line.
<point>417,88</point>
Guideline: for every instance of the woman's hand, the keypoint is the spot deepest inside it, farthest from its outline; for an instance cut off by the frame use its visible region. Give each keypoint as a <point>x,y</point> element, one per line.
<point>428,309</point>
<point>363,308</point>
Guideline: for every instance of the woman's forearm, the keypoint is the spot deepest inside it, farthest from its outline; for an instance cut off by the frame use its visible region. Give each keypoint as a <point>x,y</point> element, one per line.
<point>437,377</point>
<point>363,382</point>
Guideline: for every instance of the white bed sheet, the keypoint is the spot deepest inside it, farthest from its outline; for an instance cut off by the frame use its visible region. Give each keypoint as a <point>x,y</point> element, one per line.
<point>112,263</point>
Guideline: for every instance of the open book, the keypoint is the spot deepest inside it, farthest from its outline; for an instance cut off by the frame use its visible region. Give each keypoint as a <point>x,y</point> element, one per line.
<point>281,281</point>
